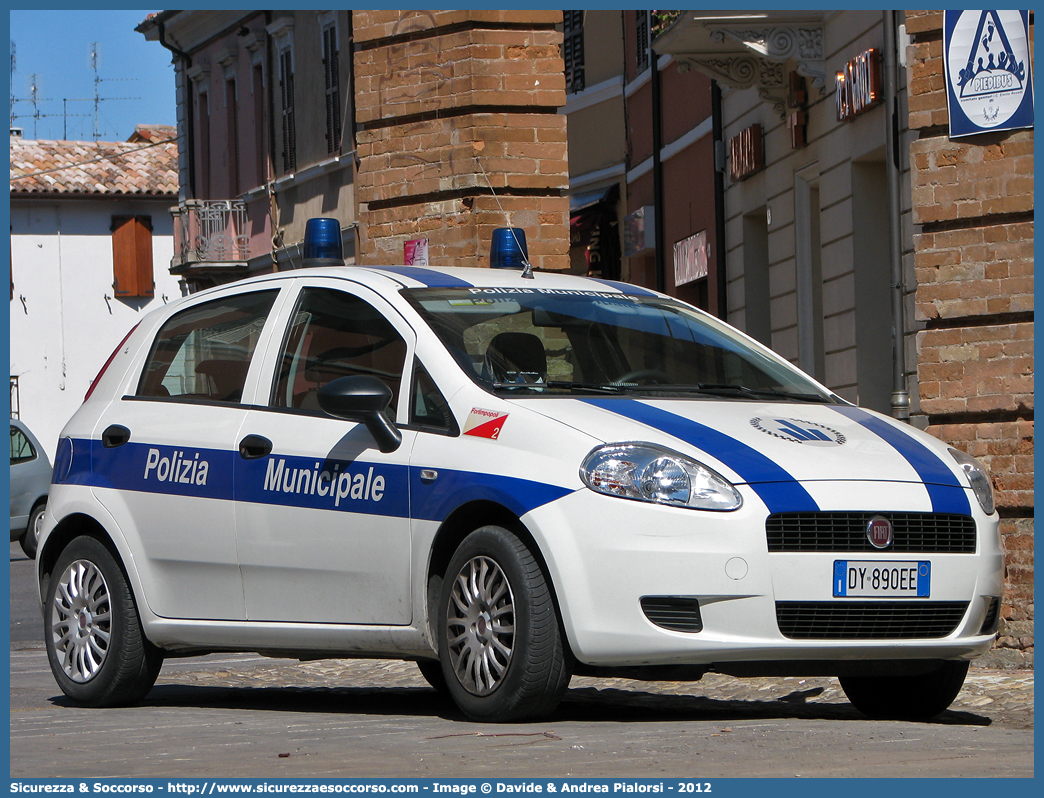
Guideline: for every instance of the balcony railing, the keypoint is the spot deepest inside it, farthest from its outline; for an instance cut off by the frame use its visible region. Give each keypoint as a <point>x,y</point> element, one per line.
<point>210,234</point>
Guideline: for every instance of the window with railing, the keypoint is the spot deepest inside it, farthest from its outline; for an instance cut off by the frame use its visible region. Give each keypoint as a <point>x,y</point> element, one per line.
<point>210,231</point>
<point>573,50</point>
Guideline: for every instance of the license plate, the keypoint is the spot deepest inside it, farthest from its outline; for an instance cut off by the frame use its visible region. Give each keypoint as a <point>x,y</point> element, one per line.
<point>870,578</point>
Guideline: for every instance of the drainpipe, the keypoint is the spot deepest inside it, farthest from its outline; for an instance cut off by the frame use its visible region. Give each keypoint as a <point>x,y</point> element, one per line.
<point>719,201</point>
<point>900,394</point>
<point>657,143</point>
<point>186,63</point>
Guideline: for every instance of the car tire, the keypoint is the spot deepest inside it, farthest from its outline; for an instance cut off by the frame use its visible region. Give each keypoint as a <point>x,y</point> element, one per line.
<point>31,538</point>
<point>431,670</point>
<point>95,643</point>
<point>502,651</point>
<point>906,697</point>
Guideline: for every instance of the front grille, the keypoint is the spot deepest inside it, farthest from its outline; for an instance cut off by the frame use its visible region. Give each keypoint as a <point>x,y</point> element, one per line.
<point>868,620</point>
<point>677,613</point>
<point>913,532</point>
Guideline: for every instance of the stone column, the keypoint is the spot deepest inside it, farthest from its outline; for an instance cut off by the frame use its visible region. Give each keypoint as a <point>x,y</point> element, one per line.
<point>452,106</point>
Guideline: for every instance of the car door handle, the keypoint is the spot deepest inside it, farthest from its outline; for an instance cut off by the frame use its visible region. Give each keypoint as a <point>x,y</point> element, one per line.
<point>254,447</point>
<point>115,435</point>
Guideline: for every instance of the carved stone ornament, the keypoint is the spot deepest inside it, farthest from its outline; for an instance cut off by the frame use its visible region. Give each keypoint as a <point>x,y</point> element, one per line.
<point>762,63</point>
<point>746,72</point>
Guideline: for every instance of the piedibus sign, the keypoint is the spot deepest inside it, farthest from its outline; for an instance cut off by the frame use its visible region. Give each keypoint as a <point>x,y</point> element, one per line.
<point>989,85</point>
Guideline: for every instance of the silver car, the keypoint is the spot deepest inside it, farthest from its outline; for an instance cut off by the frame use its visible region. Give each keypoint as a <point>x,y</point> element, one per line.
<point>30,481</point>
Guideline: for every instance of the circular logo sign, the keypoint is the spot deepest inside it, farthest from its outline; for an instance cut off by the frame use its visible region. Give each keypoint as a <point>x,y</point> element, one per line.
<point>795,430</point>
<point>879,532</point>
<point>988,66</point>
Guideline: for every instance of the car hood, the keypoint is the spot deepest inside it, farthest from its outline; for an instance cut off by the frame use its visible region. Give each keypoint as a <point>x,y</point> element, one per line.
<point>780,449</point>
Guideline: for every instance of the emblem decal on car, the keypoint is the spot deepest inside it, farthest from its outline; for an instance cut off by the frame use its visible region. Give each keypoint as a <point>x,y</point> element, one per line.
<point>879,532</point>
<point>797,430</point>
<point>484,423</point>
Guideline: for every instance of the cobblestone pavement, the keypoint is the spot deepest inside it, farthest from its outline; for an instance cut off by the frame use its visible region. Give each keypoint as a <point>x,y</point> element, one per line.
<point>989,696</point>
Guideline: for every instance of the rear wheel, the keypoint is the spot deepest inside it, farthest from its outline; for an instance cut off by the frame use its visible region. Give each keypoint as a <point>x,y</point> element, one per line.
<point>95,644</point>
<point>906,697</point>
<point>502,653</point>
<point>31,539</point>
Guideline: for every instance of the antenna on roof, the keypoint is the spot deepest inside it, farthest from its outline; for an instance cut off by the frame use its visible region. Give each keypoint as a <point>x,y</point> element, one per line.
<point>35,99</point>
<point>507,249</point>
<point>97,100</point>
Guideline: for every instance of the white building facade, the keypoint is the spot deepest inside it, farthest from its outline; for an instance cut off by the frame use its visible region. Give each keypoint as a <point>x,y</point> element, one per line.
<point>91,246</point>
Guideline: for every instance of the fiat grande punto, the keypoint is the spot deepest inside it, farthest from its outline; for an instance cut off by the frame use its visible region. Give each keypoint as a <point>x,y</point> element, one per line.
<point>508,479</point>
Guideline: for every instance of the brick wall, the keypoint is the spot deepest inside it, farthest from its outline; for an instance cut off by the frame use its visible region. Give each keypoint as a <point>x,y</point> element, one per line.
<point>973,200</point>
<point>453,105</point>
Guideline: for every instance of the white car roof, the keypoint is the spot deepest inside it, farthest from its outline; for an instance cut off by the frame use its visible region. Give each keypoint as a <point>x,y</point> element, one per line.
<point>386,277</point>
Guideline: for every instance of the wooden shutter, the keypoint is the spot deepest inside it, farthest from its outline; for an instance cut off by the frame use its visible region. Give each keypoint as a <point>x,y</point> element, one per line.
<point>642,26</point>
<point>573,49</point>
<point>132,256</point>
<point>333,89</point>
<point>286,75</point>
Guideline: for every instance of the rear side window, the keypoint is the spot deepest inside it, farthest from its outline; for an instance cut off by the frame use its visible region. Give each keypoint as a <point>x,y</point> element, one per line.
<point>204,352</point>
<point>22,450</point>
<point>336,334</point>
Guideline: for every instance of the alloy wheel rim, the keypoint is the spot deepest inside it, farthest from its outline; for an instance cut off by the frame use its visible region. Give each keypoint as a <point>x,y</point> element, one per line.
<point>481,626</point>
<point>82,625</point>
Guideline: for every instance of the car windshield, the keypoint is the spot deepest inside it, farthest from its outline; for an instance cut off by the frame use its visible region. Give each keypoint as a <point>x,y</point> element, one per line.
<point>529,342</point>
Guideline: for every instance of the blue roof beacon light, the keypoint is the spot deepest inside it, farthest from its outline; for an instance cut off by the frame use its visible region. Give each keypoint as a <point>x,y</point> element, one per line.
<point>507,250</point>
<point>322,243</point>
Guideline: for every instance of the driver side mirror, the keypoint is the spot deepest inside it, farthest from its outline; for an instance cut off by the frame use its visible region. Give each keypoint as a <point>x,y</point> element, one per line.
<point>363,399</point>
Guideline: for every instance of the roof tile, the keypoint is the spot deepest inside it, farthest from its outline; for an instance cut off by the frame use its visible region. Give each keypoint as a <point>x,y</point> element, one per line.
<point>109,168</point>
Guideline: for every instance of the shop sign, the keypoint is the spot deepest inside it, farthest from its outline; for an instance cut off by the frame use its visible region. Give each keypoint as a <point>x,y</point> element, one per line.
<point>745,154</point>
<point>858,87</point>
<point>989,86</point>
<point>690,258</point>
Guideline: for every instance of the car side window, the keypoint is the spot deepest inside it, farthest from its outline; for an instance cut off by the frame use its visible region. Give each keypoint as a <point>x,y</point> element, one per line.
<point>428,408</point>
<point>335,334</point>
<point>22,450</point>
<point>204,352</point>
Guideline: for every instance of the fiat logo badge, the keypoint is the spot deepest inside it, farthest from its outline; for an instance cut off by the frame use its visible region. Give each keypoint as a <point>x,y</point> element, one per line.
<point>879,532</point>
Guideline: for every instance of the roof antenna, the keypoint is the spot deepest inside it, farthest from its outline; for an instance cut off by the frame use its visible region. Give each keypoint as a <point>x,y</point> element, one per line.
<point>527,269</point>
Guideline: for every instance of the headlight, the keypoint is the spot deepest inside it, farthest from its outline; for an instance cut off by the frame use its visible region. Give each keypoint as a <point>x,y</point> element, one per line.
<point>977,478</point>
<point>650,473</point>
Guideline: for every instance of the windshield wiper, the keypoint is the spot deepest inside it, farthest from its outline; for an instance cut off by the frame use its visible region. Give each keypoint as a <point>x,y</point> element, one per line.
<point>725,388</point>
<point>585,387</point>
<point>575,387</point>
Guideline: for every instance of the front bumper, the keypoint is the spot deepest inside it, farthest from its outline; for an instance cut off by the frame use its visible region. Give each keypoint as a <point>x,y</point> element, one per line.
<point>606,554</point>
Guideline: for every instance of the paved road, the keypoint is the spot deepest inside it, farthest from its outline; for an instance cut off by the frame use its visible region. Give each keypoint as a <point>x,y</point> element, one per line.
<point>248,716</point>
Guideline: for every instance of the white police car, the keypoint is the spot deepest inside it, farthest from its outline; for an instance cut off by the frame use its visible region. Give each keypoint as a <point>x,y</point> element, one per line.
<point>509,479</point>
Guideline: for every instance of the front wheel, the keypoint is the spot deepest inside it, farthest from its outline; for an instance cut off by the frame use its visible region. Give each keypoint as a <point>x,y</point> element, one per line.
<point>502,653</point>
<point>906,697</point>
<point>95,644</point>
